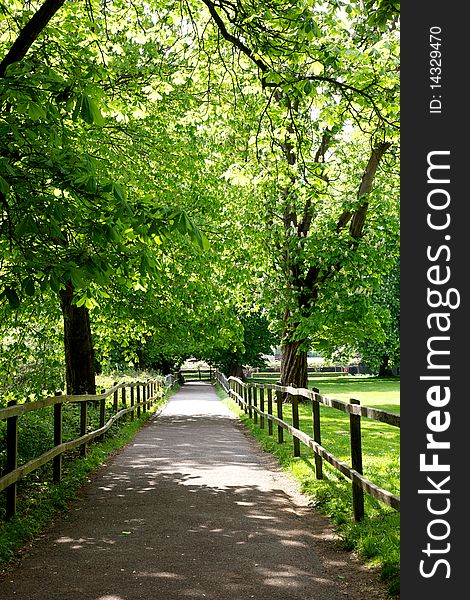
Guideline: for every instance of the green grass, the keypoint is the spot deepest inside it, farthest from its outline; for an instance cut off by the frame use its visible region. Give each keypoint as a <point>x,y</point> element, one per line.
<point>40,501</point>
<point>376,539</point>
<point>376,392</point>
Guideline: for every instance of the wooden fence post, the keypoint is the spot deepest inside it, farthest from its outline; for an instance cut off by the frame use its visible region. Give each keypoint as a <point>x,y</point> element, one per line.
<point>317,434</point>
<point>270,411</point>
<point>356,462</point>
<point>144,398</point>
<point>132,401</point>
<point>250,410</point>
<point>138,400</point>
<point>102,413</point>
<point>245,398</point>
<point>261,407</point>
<point>295,422</point>
<point>57,462</point>
<point>12,460</point>
<point>255,404</point>
<point>115,399</point>
<point>280,430</point>
<point>83,425</point>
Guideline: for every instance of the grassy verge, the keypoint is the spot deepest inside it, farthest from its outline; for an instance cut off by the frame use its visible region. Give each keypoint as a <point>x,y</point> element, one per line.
<point>376,539</point>
<point>40,502</point>
<point>376,392</point>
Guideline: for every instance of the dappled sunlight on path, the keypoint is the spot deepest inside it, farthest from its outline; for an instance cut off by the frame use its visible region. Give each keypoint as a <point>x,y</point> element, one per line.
<point>191,509</point>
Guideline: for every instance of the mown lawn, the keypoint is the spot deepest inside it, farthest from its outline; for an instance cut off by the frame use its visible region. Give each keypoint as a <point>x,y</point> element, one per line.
<point>377,392</point>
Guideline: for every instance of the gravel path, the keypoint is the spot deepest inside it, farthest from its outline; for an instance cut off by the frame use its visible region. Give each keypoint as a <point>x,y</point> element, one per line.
<point>191,509</point>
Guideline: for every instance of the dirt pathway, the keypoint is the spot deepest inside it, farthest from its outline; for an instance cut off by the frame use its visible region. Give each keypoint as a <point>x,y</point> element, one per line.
<point>191,509</point>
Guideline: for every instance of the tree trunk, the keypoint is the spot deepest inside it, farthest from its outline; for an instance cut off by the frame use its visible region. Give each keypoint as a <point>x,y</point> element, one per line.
<point>293,365</point>
<point>236,370</point>
<point>79,354</point>
<point>384,369</point>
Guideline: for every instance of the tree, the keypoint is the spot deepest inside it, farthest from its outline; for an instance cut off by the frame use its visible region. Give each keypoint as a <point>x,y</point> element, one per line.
<point>274,126</point>
<point>328,78</point>
<point>383,355</point>
<point>31,360</point>
<point>67,225</point>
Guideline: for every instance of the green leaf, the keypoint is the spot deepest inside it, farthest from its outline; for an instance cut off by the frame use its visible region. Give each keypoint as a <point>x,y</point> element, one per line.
<point>81,301</point>
<point>78,108</point>
<point>4,186</point>
<point>98,118</point>
<point>26,227</point>
<point>311,27</point>
<point>90,112</point>
<point>198,238</point>
<point>273,77</point>
<point>205,244</point>
<point>85,111</point>
<point>91,185</point>
<point>91,303</point>
<point>12,297</point>
<point>118,192</point>
<point>76,278</point>
<point>114,234</point>
<point>316,30</point>
<point>28,286</point>
<point>54,283</point>
<point>35,111</point>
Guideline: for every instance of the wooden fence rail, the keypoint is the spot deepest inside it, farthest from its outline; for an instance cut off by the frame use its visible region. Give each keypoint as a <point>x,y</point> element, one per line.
<point>147,394</point>
<point>244,393</point>
<point>197,374</point>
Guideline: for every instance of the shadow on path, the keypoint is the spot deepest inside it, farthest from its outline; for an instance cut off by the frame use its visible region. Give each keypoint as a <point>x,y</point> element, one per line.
<point>188,510</point>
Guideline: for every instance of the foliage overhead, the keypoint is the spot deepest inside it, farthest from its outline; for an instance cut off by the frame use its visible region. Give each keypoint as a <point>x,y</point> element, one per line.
<point>268,129</point>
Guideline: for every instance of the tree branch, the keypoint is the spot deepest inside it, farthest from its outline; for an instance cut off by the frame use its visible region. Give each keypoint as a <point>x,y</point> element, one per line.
<point>232,39</point>
<point>306,221</point>
<point>30,33</point>
<point>359,216</point>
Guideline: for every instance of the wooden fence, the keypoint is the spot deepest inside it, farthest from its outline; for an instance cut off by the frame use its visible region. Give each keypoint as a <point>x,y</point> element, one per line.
<point>135,397</point>
<point>197,374</point>
<point>258,400</point>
